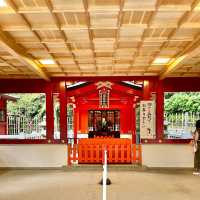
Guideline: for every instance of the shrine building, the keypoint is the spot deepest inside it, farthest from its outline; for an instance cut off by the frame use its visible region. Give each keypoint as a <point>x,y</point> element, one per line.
<point>79,77</point>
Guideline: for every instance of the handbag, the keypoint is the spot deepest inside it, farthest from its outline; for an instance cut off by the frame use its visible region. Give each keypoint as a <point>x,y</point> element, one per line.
<point>196,138</point>
<point>195,146</point>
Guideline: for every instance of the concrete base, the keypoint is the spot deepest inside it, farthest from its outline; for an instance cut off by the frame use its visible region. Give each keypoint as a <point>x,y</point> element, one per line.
<point>33,155</point>
<point>167,155</point>
<point>55,156</point>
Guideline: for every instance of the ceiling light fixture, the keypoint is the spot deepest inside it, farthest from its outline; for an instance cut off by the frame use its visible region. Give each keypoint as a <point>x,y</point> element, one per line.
<point>47,62</point>
<point>161,61</point>
<point>3,3</point>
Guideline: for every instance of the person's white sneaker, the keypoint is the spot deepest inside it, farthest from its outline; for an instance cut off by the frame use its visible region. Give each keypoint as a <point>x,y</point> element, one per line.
<point>196,173</point>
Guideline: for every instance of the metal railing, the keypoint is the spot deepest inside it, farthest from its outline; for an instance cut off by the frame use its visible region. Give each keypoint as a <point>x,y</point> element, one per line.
<point>17,124</point>
<point>181,120</point>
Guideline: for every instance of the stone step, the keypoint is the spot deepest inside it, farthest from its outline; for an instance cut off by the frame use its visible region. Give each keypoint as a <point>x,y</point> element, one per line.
<point>111,167</point>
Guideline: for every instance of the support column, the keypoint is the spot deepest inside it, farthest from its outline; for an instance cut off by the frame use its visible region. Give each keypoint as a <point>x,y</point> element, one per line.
<point>75,123</point>
<point>159,110</point>
<point>133,124</point>
<point>146,90</point>
<point>63,112</point>
<point>49,113</point>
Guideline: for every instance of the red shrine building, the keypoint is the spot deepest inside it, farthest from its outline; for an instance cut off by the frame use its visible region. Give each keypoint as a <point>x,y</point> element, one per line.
<point>79,77</point>
<point>104,114</point>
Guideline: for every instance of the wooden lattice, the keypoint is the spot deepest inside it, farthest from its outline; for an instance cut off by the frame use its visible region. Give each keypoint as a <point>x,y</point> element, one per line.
<point>99,38</point>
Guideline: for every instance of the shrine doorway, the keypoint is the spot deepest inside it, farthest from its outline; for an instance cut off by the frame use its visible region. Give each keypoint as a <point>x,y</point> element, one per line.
<point>104,123</point>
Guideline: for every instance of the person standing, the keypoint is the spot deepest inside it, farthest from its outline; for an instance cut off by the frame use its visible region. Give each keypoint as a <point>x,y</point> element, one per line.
<point>196,146</point>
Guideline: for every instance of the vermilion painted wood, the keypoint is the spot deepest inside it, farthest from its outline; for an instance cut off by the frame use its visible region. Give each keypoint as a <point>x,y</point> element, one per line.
<point>181,84</point>
<point>76,121</point>
<point>90,150</point>
<point>134,156</point>
<point>146,90</point>
<point>23,86</point>
<point>106,78</point>
<point>63,111</point>
<point>133,125</point>
<point>37,85</point>
<point>72,154</point>
<point>166,141</point>
<point>3,124</point>
<point>92,88</point>
<point>159,110</point>
<point>139,154</point>
<point>49,113</point>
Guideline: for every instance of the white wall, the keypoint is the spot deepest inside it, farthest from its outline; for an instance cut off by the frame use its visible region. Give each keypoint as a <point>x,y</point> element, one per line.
<point>55,155</point>
<point>167,155</point>
<point>33,155</point>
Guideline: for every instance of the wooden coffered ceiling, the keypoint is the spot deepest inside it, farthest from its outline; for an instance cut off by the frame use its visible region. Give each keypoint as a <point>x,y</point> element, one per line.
<point>99,38</point>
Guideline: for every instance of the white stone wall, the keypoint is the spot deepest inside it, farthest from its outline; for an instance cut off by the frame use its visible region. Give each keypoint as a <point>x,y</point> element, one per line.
<point>167,155</point>
<point>33,155</point>
<point>55,155</point>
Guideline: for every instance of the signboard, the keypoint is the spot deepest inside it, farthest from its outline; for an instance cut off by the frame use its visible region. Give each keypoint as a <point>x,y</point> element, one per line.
<point>147,120</point>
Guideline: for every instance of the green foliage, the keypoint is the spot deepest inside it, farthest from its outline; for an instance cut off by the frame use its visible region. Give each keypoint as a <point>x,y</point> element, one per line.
<point>182,102</point>
<point>30,105</point>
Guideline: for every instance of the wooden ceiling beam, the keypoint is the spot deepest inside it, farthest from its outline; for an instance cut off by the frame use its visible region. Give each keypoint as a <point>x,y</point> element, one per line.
<point>185,25</point>
<point>86,7</point>
<point>115,45</point>
<point>10,64</point>
<point>23,17</point>
<point>42,9</point>
<point>188,52</point>
<point>149,24</point>
<point>180,24</point>
<point>19,52</point>
<point>119,24</point>
<point>56,21</point>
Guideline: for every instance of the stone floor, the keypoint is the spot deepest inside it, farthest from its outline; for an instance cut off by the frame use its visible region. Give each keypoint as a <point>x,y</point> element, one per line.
<point>83,185</point>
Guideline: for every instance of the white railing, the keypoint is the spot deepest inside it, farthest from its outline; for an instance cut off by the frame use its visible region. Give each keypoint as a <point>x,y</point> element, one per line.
<point>181,120</point>
<point>180,125</point>
<point>24,127</point>
<point>17,124</point>
<point>22,136</point>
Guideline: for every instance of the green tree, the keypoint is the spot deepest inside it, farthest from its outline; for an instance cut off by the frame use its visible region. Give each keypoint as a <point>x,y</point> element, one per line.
<point>30,105</point>
<point>182,102</point>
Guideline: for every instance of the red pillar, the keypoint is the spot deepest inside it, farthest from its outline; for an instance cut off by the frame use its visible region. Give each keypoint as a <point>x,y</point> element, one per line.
<point>146,90</point>
<point>75,122</point>
<point>159,110</point>
<point>133,124</point>
<point>63,112</point>
<point>49,113</point>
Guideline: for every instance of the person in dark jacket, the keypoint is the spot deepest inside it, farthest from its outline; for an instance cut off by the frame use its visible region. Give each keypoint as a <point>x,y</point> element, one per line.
<point>196,146</point>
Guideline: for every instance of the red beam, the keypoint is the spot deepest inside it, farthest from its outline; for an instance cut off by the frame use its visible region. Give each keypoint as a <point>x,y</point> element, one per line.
<point>166,141</point>
<point>23,86</point>
<point>106,78</point>
<point>181,84</point>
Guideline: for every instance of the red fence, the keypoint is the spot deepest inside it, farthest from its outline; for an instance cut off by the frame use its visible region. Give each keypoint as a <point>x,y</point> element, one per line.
<point>91,151</point>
